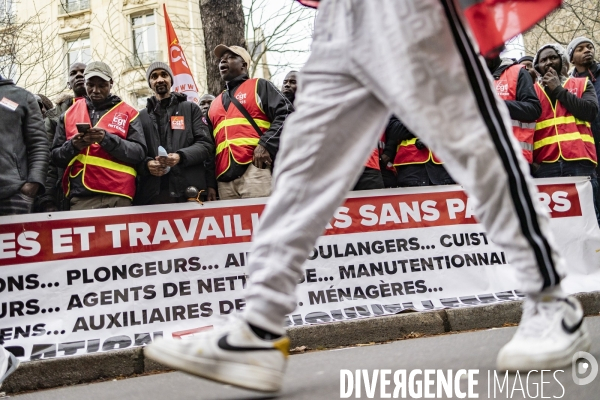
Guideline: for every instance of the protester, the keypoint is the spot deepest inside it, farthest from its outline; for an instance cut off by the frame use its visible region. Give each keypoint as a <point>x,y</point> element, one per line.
<point>205,102</point>
<point>527,61</point>
<point>514,85</point>
<point>247,133</point>
<point>415,163</point>
<point>54,199</point>
<point>100,158</point>
<point>174,123</point>
<point>24,149</point>
<point>290,85</point>
<point>563,141</point>
<point>582,52</point>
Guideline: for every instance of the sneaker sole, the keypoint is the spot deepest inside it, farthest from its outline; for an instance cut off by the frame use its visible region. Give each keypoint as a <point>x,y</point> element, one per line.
<point>514,363</point>
<point>237,374</point>
<point>12,366</point>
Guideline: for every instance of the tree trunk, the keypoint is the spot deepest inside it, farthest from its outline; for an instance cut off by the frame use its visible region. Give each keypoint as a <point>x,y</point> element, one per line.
<point>223,23</point>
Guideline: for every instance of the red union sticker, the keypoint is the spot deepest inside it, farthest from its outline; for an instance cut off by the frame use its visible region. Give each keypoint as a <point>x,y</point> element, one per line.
<point>177,122</point>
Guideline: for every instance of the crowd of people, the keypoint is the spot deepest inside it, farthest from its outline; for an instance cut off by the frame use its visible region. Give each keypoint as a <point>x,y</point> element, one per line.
<point>92,150</point>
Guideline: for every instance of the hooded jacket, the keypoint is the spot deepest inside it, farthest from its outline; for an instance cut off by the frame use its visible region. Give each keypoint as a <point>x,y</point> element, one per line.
<point>584,108</point>
<point>131,150</point>
<point>193,144</point>
<point>24,152</point>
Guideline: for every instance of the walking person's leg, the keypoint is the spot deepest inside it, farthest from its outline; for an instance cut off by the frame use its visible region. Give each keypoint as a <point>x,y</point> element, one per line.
<point>423,68</point>
<point>448,100</point>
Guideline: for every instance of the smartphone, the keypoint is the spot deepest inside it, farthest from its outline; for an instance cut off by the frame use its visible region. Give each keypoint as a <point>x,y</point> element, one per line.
<point>82,127</point>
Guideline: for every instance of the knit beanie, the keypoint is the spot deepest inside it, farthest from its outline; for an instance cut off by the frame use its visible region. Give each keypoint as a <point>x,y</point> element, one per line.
<point>576,42</point>
<point>159,65</point>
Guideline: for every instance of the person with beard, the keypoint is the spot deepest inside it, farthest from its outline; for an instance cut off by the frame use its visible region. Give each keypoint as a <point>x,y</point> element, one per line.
<point>514,85</point>
<point>100,158</point>
<point>205,102</point>
<point>582,52</point>
<point>290,85</point>
<point>174,123</point>
<point>53,198</point>
<point>563,144</point>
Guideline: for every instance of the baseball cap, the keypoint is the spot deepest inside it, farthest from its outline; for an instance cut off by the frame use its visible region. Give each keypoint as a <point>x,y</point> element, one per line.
<point>99,69</point>
<point>240,51</point>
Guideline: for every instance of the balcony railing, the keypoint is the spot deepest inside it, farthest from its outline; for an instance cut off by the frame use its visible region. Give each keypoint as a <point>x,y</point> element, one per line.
<point>73,6</point>
<point>141,59</point>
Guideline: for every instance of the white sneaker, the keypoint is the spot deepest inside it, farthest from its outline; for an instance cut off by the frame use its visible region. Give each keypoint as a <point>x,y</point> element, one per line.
<point>8,364</point>
<point>549,334</point>
<point>232,354</point>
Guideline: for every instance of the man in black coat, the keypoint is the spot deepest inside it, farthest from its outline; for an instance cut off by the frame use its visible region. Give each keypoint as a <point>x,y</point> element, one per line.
<point>24,152</point>
<point>172,122</point>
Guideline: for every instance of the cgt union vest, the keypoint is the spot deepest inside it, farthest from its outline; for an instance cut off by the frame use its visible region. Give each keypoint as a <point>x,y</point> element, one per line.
<point>407,153</point>
<point>558,133</point>
<point>234,136</point>
<point>100,172</point>
<point>506,88</point>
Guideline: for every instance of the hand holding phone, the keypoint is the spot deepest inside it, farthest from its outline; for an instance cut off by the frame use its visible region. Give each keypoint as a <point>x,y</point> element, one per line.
<point>82,127</point>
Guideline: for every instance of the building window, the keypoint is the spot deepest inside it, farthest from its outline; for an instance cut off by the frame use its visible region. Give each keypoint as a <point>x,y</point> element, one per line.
<point>79,50</point>
<point>72,6</point>
<point>145,44</point>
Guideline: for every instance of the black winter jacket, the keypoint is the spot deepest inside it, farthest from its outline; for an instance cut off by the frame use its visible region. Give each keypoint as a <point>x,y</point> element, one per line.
<point>193,144</point>
<point>131,150</point>
<point>527,107</point>
<point>24,151</point>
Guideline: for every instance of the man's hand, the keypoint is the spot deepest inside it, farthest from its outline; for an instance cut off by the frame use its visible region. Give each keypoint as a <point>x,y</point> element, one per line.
<point>551,79</point>
<point>262,158</point>
<point>211,194</point>
<point>171,160</point>
<point>30,189</point>
<point>78,142</point>
<point>385,159</point>
<point>91,136</point>
<point>156,168</point>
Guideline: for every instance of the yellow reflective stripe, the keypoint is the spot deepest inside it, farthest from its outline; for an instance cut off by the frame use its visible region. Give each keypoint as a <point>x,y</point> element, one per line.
<point>408,142</point>
<point>559,121</point>
<point>240,121</point>
<point>562,138</point>
<point>237,142</point>
<point>101,162</point>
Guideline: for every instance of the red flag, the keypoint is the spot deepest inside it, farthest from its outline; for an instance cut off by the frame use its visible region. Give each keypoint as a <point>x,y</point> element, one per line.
<point>183,80</point>
<point>493,22</point>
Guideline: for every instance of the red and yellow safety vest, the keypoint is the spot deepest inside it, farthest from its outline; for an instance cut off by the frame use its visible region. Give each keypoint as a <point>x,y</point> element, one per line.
<point>506,87</point>
<point>558,133</point>
<point>100,172</point>
<point>407,154</point>
<point>234,136</point>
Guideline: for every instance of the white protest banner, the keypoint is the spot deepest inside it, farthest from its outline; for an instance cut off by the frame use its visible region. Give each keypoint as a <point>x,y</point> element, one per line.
<point>88,281</point>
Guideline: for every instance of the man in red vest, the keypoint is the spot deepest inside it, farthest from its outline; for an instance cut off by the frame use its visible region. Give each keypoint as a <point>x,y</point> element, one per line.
<point>349,88</point>
<point>563,141</point>
<point>514,85</point>
<point>99,141</point>
<point>246,122</point>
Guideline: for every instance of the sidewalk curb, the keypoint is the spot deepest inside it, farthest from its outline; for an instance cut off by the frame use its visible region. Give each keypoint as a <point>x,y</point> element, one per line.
<point>67,371</point>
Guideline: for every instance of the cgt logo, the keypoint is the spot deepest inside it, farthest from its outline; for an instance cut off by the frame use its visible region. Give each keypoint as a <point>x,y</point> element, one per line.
<point>585,368</point>
<point>119,122</point>
<point>502,88</point>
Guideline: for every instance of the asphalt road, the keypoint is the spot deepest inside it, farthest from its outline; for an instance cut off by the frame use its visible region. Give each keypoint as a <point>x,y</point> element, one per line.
<point>316,375</point>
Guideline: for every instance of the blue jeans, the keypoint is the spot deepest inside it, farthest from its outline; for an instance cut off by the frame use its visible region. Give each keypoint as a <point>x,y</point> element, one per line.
<point>572,168</point>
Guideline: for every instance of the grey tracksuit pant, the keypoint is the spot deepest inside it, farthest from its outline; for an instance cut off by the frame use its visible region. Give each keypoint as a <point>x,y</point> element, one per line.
<point>371,59</point>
